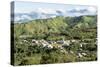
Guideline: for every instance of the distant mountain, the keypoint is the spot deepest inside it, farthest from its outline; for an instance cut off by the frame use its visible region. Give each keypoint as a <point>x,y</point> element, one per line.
<point>21,17</point>
<point>79,11</point>
<point>49,13</point>
<point>37,14</point>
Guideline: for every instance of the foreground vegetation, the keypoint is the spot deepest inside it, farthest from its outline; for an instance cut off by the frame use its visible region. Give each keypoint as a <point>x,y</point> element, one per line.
<point>55,40</point>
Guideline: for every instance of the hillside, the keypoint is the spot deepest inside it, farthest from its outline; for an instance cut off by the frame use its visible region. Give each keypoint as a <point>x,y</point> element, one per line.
<point>55,40</point>
<point>59,26</point>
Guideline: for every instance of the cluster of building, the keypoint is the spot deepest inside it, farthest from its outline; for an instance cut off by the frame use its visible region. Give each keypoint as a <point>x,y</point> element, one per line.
<point>59,44</point>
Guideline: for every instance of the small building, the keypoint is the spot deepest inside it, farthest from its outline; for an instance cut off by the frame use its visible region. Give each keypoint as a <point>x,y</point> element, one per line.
<point>84,54</point>
<point>80,55</point>
<point>34,41</point>
<point>25,41</point>
<point>44,44</point>
<point>50,46</point>
<point>60,42</point>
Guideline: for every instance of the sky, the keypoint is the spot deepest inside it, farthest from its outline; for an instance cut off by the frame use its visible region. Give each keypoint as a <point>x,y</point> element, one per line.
<point>51,8</point>
<point>21,6</point>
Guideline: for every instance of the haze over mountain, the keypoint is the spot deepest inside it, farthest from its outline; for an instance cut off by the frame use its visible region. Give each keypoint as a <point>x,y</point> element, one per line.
<point>30,11</point>
<point>50,13</point>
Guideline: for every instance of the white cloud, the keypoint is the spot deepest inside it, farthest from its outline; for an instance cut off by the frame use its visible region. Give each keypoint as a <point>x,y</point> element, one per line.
<point>78,9</point>
<point>18,18</point>
<point>92,9</point>
<point>26,16</point>
<point>47,11</point>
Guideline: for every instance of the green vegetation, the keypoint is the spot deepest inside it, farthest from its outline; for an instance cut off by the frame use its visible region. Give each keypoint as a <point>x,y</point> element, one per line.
<point>76,30</point>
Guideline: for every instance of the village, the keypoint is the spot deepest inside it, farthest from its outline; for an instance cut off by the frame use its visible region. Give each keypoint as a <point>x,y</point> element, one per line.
<point>62,44</point>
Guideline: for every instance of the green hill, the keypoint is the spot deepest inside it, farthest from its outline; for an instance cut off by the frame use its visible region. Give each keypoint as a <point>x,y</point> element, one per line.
<point>79,35</point>
<point>59,26</point>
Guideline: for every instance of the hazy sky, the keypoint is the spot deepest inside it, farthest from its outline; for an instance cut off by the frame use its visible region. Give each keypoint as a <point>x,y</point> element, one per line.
<point>30,6</point>
<point>25,7</point>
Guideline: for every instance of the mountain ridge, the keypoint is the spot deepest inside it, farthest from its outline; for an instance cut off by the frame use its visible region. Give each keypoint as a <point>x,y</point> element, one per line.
<point>49,13</point>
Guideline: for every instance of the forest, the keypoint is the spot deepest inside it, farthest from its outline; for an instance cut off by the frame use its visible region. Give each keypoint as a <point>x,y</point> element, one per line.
<point>55,40</point>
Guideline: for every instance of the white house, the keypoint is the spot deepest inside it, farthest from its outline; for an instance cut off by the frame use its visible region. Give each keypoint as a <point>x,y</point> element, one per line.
<point>80,55</point>
<point>84,54</point>
<point>50,46</point>
<point>34,41</point>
